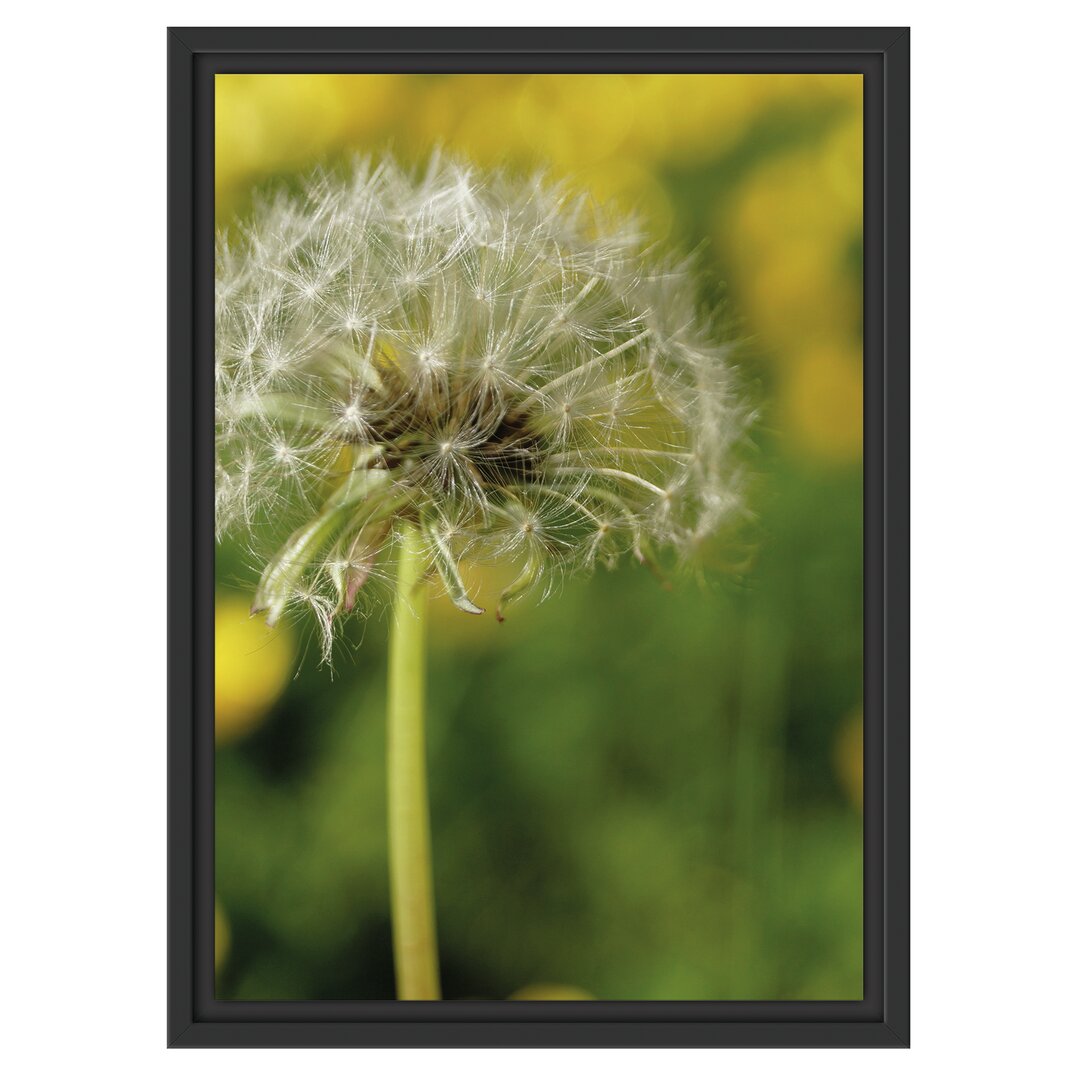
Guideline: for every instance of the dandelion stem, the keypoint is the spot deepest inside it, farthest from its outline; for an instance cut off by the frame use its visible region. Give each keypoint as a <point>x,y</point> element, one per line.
<point>412,901</point>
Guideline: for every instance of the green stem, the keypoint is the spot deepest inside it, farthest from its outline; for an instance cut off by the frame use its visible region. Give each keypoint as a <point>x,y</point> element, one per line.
<point>412,900</point>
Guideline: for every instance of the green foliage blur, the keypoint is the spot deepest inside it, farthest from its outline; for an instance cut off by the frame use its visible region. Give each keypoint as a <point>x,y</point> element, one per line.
<point>636,793</point>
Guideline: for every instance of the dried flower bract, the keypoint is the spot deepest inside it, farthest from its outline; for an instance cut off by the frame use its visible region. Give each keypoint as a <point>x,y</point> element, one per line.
<point>501,362</point>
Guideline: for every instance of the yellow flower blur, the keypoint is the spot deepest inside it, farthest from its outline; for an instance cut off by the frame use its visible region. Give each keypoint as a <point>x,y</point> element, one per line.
<point>551,992</point>
<point>252,666</point>
<point>221,936</point>
<point>848,757</point>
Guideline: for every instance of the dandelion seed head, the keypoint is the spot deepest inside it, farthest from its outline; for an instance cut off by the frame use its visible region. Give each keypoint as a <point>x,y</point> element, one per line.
<point>500,361</point>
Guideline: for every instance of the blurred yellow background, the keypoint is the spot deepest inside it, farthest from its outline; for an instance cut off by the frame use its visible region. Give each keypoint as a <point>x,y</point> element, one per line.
<point>789,225</point>
<point>763,175</point>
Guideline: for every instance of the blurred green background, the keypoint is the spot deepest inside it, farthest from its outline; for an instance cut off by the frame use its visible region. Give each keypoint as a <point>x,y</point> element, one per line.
<point>636,793</point>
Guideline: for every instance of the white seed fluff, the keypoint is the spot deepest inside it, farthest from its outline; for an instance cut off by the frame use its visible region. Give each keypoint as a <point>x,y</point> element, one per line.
<point>501,362</point>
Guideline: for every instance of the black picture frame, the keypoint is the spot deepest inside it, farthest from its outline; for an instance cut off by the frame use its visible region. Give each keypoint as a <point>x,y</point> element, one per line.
<point>881,1019</point>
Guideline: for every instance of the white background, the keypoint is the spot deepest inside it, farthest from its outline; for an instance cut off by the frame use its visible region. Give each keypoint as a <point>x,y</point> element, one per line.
<point>994,488</point>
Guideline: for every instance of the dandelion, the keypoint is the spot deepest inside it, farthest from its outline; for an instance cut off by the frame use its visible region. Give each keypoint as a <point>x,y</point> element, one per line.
<point>414,370</point>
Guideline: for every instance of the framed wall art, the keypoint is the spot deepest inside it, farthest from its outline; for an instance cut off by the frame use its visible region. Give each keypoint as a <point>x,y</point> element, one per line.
<point>538,582</point>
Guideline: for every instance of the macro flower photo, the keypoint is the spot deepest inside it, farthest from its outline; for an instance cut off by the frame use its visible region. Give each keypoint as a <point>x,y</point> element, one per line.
<point>538,484</point>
